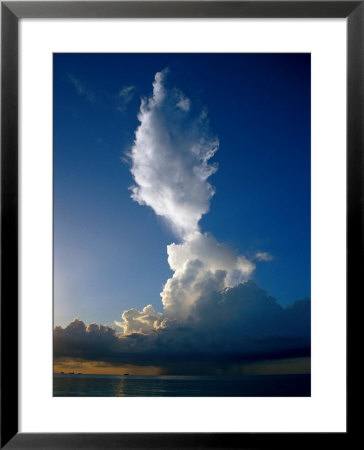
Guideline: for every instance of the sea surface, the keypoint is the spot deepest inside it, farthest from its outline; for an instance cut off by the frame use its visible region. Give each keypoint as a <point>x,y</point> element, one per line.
<point>67,385</point>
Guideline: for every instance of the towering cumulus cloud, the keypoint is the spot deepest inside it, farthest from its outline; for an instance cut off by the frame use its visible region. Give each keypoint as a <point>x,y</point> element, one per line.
<point>170,158</point>
<point>213,314</point>
<point>170,165</point>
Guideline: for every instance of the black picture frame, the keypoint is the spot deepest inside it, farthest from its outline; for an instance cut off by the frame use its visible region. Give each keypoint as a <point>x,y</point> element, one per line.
<point>11,12</point>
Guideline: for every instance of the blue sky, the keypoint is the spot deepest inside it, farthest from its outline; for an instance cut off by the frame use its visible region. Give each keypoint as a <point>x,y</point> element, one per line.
<point>110,252</point>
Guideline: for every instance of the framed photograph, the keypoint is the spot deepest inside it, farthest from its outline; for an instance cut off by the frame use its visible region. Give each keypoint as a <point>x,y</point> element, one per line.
<point>181,222</point>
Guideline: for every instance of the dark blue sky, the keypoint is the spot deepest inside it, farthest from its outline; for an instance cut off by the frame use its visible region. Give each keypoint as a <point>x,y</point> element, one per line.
<point>110,252</point>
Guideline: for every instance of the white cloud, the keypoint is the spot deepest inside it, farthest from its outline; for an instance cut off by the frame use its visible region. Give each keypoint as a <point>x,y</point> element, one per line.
<point>143,322</point>
<point>263,256</point>
<point>170,159</point>
<point>125,96</point>
<point>200,264</point>
<point>182,101</point>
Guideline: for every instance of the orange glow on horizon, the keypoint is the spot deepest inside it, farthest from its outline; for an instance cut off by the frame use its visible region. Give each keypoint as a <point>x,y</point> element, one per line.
<point>268,367</point>
<point>102,368</point>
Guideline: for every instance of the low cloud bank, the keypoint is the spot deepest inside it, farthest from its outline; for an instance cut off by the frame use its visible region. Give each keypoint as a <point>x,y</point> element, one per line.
<point>235,325</point>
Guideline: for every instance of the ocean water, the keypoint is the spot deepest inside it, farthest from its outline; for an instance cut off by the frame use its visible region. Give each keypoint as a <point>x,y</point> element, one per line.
<point>66,385</point>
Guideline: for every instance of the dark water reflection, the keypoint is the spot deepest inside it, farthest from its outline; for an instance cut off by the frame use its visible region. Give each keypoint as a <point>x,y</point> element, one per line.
<point>181,386</point>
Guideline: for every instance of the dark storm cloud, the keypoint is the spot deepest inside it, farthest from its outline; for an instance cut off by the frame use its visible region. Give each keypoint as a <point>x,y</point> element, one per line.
<point>236,325</point>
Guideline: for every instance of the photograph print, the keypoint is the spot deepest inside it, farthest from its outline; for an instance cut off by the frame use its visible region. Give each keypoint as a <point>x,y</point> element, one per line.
<point>182,217</point>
